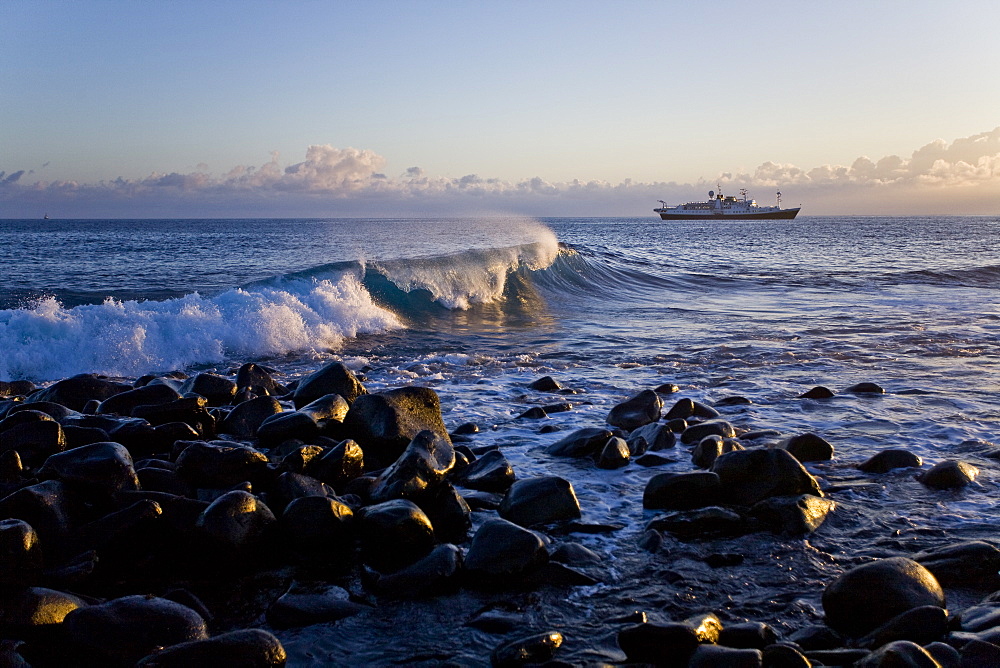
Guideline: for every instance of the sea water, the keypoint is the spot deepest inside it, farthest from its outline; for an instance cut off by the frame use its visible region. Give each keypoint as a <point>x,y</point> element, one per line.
<point>479,308</point>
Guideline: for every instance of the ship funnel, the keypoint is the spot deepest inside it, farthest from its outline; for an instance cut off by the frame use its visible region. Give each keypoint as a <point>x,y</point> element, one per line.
<point>711,194</point>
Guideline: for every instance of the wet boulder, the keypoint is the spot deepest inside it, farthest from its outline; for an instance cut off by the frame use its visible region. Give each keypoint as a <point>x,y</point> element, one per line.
<point>20,553</point>
<point>76,391</point>
<point>818,392</point>
<point>124,630</point>
<point>99,470</point>
<point>642,409</point>
<point>546,384</point>
<point>868,596</point>
<point>123,402</point>
<point>254,375</point>
<point>339,465</point>
<point>334,378</point>
<point>681,410</point>
<point>32,436</point>
<point>236,521</point>
<point>432,575</point>
<point>502,549</point>
<point>386,422</point>
<point>489,473</point>
<point>540,501</point>
<point>656,435</point>
<point>865,388</point>
<point>701,523</point>
<point>748,635</point>
<point>248,648</point>
<point>47,506</point>
<point>330,408</point>
<point>26,611</point>
<point>291,486</point>
<point>449,513</point>
<point>949,474</point>
<point>750,476</point>
<point>793,515</point>
<point>189,410</point>
<point>710,448</point>
<point>614,455</point>
<point>696,432</point>
<point>808,447</point>
<point>887,460</point>
<point>244,420</point>
<point>217,390</point>
<point>319,528</point>
<point>286,426</point>
<point>297,608</point>
<point>394,534</point>
<point>423,465</point>
<point>670,644</point>
<point>973,562</point>
<point>220,464</point>
<point>902,653</point>
<point>681,491</point>
<point>922,625</point>
<point>581,443</point>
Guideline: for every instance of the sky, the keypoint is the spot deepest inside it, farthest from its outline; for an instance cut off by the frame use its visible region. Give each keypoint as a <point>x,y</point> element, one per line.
<point>172,108</point>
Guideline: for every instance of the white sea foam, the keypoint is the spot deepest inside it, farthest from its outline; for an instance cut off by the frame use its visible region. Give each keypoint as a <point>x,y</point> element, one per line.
<point>128,338</point>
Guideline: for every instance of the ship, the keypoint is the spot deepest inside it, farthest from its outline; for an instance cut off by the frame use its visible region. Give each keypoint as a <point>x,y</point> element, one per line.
<point>725,206</point>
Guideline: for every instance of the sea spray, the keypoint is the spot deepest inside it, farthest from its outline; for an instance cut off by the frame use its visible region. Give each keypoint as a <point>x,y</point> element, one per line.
<point>128,338</point>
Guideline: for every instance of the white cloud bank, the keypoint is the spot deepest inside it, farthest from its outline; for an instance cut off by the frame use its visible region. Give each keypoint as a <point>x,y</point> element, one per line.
<point>962,177</point>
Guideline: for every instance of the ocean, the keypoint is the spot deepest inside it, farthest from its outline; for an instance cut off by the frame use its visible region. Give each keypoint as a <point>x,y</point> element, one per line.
<point>478,308</point>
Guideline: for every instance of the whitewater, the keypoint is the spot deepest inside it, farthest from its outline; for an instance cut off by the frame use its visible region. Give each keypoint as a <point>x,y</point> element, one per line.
<point>478,308</point>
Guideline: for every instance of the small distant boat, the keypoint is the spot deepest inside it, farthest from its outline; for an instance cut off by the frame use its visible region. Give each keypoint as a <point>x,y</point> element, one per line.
<point>723,206</point>
<point>45,217</point>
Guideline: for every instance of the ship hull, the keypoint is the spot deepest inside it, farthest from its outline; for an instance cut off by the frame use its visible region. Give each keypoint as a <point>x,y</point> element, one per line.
<point>784,214</point>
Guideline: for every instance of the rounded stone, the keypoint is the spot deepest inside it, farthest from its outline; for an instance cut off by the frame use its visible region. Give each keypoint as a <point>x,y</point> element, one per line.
<point>868,596</point>
<point>540,501</point>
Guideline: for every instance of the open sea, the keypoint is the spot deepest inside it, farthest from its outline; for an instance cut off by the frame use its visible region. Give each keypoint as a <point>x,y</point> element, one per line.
<point>479,308</point>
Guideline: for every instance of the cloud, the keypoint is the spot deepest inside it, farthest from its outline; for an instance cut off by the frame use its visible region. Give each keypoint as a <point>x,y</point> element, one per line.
<point>333,181</point>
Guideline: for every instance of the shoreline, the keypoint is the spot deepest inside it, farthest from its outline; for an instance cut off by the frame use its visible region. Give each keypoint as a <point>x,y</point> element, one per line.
<point>575,573</point>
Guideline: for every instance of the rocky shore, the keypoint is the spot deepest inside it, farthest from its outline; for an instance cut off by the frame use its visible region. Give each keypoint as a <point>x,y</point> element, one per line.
<point>186,521</point>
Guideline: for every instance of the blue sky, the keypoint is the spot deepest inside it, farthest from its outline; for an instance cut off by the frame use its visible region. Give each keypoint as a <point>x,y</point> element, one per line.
<point>111,108</point>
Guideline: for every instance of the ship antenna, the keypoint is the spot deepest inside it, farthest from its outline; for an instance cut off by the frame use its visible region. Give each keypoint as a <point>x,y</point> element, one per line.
<point>779,199</point>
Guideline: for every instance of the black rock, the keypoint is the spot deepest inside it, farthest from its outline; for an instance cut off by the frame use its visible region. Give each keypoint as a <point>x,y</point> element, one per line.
<point>98,470</point>
<point>46,506</point>
<point>713,656</point>
<point>422,465</point>
<point>748,635</point>
<point>614,455</point>
<point>252,375</point>
<point>922,625</point>
<point>901,653</point>
<point>489,473</point>
<point>533,413</point>
<point>219,465</point>
<point>124,630</point>
<point>656,435</point>
<point>386,422</point>
<point>31,611</point>
<point>546,384</point>
<point>808,447</point>
<point>540,501</point>
<point>502,549</point>
<point>285,426</point>
<point>20,553</point>
<point>123,402</point>
<point>642,409</point>
<point>290,486</point>
<point>966,563</point>
<point>33,439</point>
<point>818,392</point>
<point>294,609</point>
<point>867,596</point>
<point>701,522</point>
<point>449,513</point>
<point>784,656</point>
<point>793,515</point>
<point>430,576</point>
<point>394,534</point>
<point>244,420</point>
<point>338,465</point>
<point>581,443</point>
<point>696,432</point>
<point>76,391</point>
<point>681,491</point>
<point>236,521</point>
<point>750,476</point>
<point>319,528</point>
<point>189,410</point>
<point>334,378</point>
<point>247,648</point>
<point>893,458</point>
<point>865,388</point>
<point>669,645</point>
<point>710,448</point>
<point>949,474</point>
